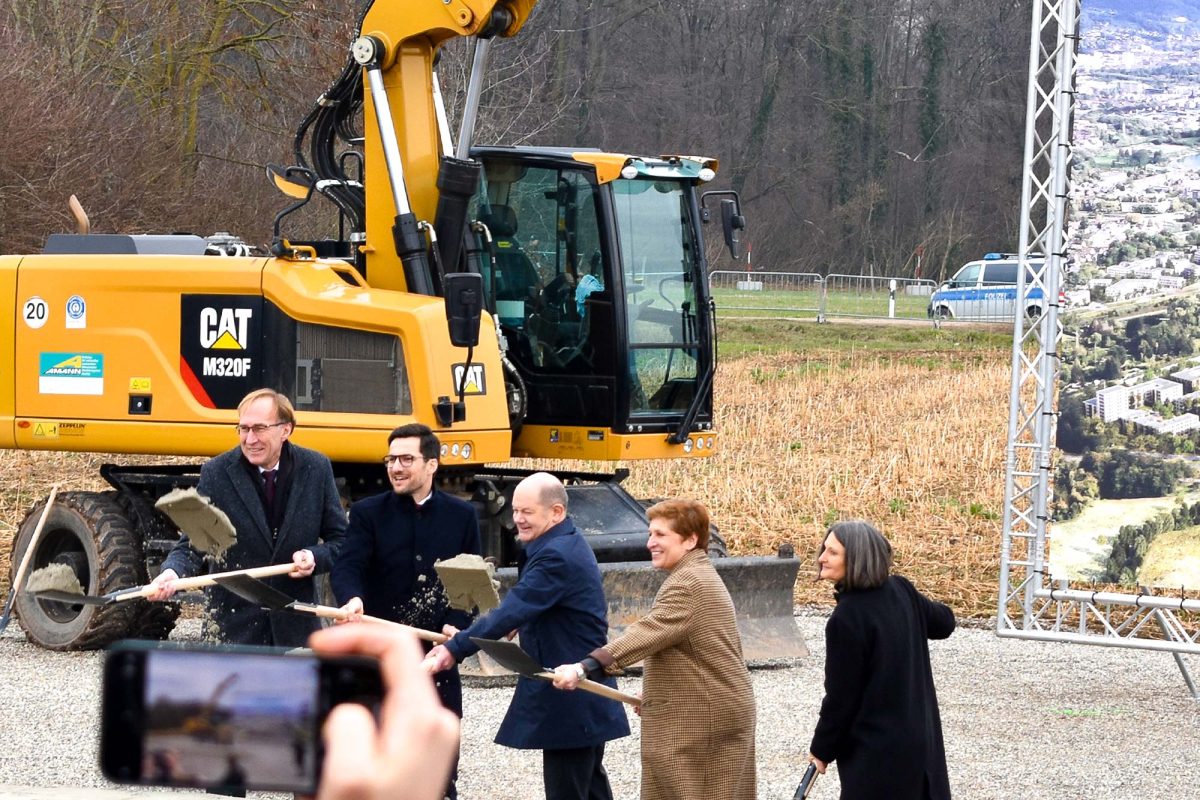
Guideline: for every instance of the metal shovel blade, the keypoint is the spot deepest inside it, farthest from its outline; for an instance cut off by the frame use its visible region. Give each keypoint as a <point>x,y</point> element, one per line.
<point>510,656</point>
<point>71,598</point>
<point>256,592</point>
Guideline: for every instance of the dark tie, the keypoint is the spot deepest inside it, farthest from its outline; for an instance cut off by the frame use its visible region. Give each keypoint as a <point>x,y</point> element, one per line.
<point>269,486</point>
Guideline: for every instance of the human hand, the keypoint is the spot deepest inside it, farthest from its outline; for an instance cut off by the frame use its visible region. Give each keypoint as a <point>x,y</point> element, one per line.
<point>304,563</point>
<point>819,764</point>
<point>438,659</point>
<point>409,754</point>
<point>638,708</point>
<point>449,630</point>
<point>164,585</point>
<point>568,676</point>
<point>510,635</point>
<point>353,610</point>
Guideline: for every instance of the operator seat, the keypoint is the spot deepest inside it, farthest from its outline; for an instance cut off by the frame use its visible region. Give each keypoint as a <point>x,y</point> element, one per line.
<point>516,278</point>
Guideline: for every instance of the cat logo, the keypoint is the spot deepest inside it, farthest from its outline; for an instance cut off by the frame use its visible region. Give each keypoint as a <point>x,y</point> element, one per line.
<point>469,380</point>
<point>225,329</point>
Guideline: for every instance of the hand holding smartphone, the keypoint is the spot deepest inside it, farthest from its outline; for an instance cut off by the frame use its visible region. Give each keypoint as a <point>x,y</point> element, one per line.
<point>232,718</point>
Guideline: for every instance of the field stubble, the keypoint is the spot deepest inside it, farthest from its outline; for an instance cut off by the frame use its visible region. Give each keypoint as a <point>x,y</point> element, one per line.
<point>912,442</point>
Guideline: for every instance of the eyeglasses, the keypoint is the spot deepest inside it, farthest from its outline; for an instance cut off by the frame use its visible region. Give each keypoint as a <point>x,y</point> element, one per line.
<point>258,430</point>
<point>406,460</point>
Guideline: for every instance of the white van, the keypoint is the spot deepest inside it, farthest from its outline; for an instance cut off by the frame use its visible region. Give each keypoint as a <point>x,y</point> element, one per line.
<point>986,291</point>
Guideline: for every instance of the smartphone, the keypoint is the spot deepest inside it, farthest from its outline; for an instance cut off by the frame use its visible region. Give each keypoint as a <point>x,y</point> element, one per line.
<point>228,717</point>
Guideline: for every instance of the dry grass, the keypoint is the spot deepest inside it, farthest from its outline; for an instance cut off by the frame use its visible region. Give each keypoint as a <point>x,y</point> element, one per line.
<point>914,443</point>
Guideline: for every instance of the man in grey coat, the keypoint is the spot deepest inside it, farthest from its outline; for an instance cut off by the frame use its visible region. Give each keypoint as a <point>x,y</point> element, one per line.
<point>284,505</point>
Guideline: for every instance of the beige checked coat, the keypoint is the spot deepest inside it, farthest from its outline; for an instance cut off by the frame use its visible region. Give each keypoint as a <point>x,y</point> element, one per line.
<point>698,705</point>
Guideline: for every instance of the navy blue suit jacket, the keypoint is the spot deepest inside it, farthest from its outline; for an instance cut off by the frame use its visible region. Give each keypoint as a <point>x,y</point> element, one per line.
<point>559,608</point>
<point>390,549</point>
<point>387,560</point>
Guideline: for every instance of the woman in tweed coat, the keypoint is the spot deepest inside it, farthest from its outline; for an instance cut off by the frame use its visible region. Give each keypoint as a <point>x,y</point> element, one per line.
<point>698,706</point>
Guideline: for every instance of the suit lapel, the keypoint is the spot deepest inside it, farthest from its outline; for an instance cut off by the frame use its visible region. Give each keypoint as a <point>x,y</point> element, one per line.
<point>248,493</point>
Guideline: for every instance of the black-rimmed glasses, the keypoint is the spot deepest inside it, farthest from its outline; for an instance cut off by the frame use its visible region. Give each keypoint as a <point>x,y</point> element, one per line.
<point>406,460</point>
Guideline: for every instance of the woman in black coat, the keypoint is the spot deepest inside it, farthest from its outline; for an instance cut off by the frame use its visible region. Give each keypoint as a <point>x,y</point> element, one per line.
<point>879,719</point>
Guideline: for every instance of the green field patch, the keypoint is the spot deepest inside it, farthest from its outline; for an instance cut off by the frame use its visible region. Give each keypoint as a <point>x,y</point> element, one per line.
<point>1080,546</point>
<point>1173,560</point>
<point>807,302</point>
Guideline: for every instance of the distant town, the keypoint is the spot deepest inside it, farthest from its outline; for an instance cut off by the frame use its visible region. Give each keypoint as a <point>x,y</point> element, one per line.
<point>1135,231</point>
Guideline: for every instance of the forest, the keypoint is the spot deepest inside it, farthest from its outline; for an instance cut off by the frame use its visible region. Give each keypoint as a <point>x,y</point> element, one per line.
<point>856,131</point>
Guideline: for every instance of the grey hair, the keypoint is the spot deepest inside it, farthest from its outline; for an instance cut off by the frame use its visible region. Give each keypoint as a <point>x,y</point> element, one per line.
<point>868,554</point>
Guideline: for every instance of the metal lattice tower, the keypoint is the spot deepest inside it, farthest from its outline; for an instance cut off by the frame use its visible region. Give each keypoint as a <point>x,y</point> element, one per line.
<point>1031,605</point>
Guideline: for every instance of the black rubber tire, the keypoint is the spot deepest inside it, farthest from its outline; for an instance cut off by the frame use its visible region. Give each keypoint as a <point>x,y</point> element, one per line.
<point>153,621</point>
<point>90,532</point>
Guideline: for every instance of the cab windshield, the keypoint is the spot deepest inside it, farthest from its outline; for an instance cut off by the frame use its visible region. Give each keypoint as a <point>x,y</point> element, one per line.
<point>658,256</point>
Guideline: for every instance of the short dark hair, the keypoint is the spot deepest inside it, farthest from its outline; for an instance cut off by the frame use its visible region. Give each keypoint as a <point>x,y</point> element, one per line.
<point>688,518</point>
<point>430,446</point>
<point>868,554</point>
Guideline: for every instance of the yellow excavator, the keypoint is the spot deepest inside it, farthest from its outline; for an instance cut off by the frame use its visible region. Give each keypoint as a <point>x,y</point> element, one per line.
<point>523,302</point>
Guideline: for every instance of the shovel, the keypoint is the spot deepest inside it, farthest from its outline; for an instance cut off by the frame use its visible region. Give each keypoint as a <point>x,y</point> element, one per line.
<point>270,598</point>
<point>510,656</point>
<point>136,592</point>
<point>25,559</point>
<point>805,789</point>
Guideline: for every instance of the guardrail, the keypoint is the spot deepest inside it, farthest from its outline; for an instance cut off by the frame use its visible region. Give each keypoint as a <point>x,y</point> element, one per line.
<point>751,293</point>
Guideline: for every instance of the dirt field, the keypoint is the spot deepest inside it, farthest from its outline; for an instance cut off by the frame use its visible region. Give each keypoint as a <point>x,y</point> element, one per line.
<point>912,441</point>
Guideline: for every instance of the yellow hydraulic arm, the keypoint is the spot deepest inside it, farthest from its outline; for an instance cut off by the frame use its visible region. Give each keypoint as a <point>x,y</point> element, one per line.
<point>402,147</point>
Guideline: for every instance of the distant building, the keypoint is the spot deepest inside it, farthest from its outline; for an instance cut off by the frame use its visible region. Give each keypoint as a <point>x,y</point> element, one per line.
<point>1189,377</point>
<point>1129,287</point>
<point>1172,282</point>
<point>1113,403</point>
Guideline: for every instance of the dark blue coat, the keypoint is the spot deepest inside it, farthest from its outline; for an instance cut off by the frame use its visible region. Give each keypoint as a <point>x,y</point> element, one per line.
<point>558,606</point>
<point>388,557</point>
<point>310,518</point>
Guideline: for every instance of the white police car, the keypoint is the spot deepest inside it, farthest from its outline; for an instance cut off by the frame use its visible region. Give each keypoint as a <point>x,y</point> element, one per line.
<point>986,291</point>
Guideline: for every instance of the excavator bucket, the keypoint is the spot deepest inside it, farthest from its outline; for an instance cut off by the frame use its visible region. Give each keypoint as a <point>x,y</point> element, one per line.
<point>760,586</point>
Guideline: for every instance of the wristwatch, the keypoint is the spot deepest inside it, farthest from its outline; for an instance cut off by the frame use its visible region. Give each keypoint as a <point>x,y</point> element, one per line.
<point>580,671</point>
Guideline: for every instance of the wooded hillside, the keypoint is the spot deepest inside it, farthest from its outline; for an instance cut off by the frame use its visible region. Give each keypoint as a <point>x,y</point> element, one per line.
<point>856,130</point>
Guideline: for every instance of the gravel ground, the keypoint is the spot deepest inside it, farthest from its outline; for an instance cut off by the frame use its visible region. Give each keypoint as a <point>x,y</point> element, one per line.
<point>1021,719</point>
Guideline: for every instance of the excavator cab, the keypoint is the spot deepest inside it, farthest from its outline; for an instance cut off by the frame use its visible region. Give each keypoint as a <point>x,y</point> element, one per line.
<point>595,279</point>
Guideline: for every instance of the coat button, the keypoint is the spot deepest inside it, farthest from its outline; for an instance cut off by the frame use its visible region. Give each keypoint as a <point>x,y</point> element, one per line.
<point>418,558</point>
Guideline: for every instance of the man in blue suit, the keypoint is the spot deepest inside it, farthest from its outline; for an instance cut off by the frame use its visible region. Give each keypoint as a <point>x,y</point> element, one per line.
<point>558,607</point>
<point>282,501</point>
<point>385,568</point>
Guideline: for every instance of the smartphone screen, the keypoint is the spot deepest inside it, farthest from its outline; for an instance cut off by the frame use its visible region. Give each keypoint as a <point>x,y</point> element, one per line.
<point>224,718</point>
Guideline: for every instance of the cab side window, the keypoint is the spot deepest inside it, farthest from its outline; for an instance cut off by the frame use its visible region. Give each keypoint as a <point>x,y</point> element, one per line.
<point>1004,274</point>
<point>968,276</point>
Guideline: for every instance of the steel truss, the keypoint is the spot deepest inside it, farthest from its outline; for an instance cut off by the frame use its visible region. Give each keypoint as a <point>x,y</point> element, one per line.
<point>1031,604</point>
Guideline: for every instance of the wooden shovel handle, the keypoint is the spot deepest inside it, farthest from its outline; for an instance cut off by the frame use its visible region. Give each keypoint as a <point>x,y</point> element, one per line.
<point>27,556</point>
<point>201,581</point>
<point>599,688</point>
<point>329,612</point>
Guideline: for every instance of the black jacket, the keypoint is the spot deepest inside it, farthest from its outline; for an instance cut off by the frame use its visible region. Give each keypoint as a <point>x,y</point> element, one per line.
<point>310,518</point>
<point>387,560</point>
<point>879,719</point>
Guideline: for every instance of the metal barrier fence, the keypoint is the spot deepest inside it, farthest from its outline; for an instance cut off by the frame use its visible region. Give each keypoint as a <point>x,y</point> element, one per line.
<point>750,293</point>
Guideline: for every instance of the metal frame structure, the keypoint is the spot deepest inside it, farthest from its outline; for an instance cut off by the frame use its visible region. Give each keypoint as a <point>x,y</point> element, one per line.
<point>1031,604</point>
